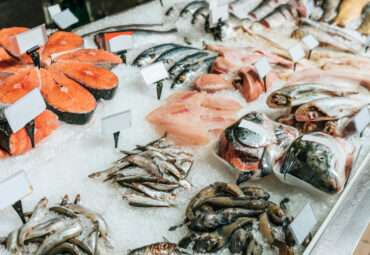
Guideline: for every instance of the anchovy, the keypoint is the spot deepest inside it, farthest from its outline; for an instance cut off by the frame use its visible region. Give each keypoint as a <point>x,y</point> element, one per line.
<point>162,186</point>
<point>63,211</point>
<point>50,226</point>
<point>193,70</point>
<point>192,5</point>
<point>65,248</point>
<point>54,240</point>
<point>172,54</point>
<point>166,166</point>
<point>140,201</point>
<point>149,55</point>
<point>146,164</point>
<point>185,62</point>
<point>155,194</point>
<point>12,241</point>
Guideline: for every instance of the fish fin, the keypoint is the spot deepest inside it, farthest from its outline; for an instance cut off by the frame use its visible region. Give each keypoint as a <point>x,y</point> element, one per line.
<point>64,200</point>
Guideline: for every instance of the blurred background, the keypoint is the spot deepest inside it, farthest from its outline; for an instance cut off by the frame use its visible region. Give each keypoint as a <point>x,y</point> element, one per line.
<point>30,13</point>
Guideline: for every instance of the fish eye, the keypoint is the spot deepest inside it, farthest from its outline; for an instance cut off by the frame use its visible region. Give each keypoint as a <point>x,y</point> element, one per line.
<point>321,158</point>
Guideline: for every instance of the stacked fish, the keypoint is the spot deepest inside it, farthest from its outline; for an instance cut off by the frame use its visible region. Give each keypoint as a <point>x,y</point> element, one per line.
<point>74,230</point>
<point>319,107</point>
<point>223,214</point>
<point>155,170</point>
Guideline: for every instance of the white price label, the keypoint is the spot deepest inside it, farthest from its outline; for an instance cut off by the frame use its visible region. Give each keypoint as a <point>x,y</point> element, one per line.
<point>116,122</point>
<point>64,19</point>
<point>14,188</point>
<point>263,67</point>
<point>54,10</point>
<point>310,6</point>
<point>296,52</point>
<point>120,43</point>
<point>153,73</point>
<point>22,42</point>
<point>24,110</point>
<point>217,13</point>
<point>310,42</point>
<point>302,225</point>
<point>213,4</point>
<point>362,119</point>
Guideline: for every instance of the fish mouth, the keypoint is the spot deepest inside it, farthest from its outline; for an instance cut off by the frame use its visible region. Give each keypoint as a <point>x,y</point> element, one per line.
<point>279,99</point>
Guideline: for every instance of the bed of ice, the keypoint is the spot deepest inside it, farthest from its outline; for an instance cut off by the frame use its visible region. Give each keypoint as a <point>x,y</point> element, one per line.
<point>60,164</point>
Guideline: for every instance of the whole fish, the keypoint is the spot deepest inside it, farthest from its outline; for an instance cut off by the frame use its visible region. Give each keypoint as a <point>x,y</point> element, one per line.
<point>157,248</point>
<point>63,235</point>
<point>146,164</point>
<point>265,8</point>
<point>116,28</point>
<point>141,201</point>
<point>63,211</point>
<point>330,10</point>
<point>331,108</point>
<point>162,186</point>
<point>171,54</point>
<point>82,244</point>
<point>193,70</point>
<point>232,202</point>
<point>65,248</point>
<point>165,166</point>
<point>254,248</point>
<point>349,10</point>
<point>302,93</point>
<point>50,226</point>
<point>239,240</point>
<point>12,241</point>
<point>192,6</point>
<point>149,55</point>
<point>38,213</point>
<point>365,25</point>
<point>185,62</point>
<point>155,194</point>
<point>136,178</point>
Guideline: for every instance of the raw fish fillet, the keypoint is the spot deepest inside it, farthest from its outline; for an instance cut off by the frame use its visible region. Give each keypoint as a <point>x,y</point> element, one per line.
<point>191,117</point>
<point>211,83</point>
<point>19,143</point>
<point>223,66</point>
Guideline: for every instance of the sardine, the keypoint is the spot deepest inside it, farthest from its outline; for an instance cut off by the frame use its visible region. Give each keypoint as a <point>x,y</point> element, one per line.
<point>146,164</point>
<point>331,108</point>
<point>193,70</point>
<point>38,213</point>
<point>330,10</point>
<point>192,6</point>
<point>185,62</point>
<point>349,10</point>
<point>171,54</point>
<point>155,194</point>
<point>12,241</point>
<point>265,8</point>
<point>140,201</point>
<point>149,55</point>
<point>65,248</point>
<point>157,248</point>
<point>302,93</point>
<point>50,226</point>
<point>71,231</point>
<point>166,166</point>
<point>240,202</point>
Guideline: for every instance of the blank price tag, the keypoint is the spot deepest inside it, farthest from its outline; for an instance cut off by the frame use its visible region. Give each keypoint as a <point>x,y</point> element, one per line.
<point>213,4</point>
<point>64,19</point>
<point>119,41</point>
<point>116,122</point>
<point>22,42</point>
<point>54,10</point>
<point>220,12</point>
<point>153,73</point>
<point>263,67</point>
<point>296,52</point>
<point>25,110</point>
<point>14,188</point>
<point>310,42</point>
<point>302,225</point>
<point>362,119</point>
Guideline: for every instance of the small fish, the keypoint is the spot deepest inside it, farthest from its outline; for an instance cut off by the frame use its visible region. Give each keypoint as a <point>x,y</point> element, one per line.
<point>146,164</point>
<point>171,54</point>
<point>12,241</point>
<point>82,244</point>
<point>141,201</point>
<point>157,248</point>
<point>166,166</point>
<point>155,194</point>
<point>110,170</point>
<point>50,226</point>
<point>149,55</point>
<point>192,6</point>
<point>63,235</point>
<point>65,248</point>
<point>185,62</point>
<point>254,248</point>
<point>265,228</point>
<point>239,240</point>
<point>136,178</point>
<point>193,70</point>
<point>63,211</point>
<point>239,202</point>
<point>116,28</point>
<point>255,192</point>
<point>265,8</point>
<point>162,186</point>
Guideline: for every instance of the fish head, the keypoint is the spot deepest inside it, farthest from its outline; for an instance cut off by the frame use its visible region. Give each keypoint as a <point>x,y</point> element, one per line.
<point>162,248</point>
<point>208,242</point>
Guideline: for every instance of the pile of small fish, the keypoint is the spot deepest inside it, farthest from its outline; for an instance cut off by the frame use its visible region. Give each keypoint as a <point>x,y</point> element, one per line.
<point>253,144</point>
<point>319,107</point>
<point>155,170</point>
<point>66,228</point>
<point>165,248</point>
<point>226,215</point>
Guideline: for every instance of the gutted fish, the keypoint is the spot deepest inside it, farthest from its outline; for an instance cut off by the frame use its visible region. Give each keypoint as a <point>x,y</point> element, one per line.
<point>211,83</point>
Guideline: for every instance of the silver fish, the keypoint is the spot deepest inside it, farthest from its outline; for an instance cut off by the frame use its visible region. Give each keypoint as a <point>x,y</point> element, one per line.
<point>12,241</point>
<point>171,54</point>
<point>83,245</point>
<point>140,201</point>
<point>149,55</point>
<point>185,62</point>
<point>155,194</point>
<point>63,211</point>
<point>53,240</point>
<point>145,163</point>
<point>47,227</point>
<point>110,170</point>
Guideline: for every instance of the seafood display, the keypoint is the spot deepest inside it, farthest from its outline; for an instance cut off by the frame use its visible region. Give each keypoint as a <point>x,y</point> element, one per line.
<point>253,144</point>
<point>66,228</point>
<point>191,118</point>
<point>154,171</point>
<point>321,160</point>
<point>226,215</point>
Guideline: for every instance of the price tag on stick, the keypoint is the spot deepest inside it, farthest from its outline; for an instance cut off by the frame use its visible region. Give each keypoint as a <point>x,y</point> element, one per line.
<point>311,43</point>
<point>22,112</point>
<point>119,43</point>
<point>64,19</point>
<point>22,42</point>
<point>114,123</point>
<point>302,225</point>
<point>54,10</point>
<point>362,119</point>
<point>263,68</point>
<point>155,74</point>
<point>296,52</point>
<point>12,190</point>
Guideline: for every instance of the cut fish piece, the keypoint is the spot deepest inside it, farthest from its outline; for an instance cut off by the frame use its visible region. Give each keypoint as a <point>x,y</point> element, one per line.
<point>211,83</point>
<point>69,100</point>
<point>18,85</point>
<point>4,154</point>
<point>100,58</point>
<point>59,42</point>
<point>9,65</point>
<point>100,82</point>
<point>19,143</point>
<point>222,66</point>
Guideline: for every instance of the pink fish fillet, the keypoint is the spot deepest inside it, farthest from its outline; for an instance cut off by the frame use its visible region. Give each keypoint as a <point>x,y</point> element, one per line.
<point>223,66</point>
<point>211,83</point>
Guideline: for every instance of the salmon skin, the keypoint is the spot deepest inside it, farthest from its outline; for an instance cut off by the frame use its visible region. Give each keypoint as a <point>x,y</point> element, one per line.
<point>66,98</point>
<point>96,57</point>
<point>100,82</point>
<point>19,142</point>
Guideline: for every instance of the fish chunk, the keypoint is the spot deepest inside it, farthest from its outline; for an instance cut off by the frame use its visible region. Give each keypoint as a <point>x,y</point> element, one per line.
<point>212,83</point>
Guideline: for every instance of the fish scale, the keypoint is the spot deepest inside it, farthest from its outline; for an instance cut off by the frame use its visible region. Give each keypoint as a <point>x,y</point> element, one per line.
<point>173,53</point>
